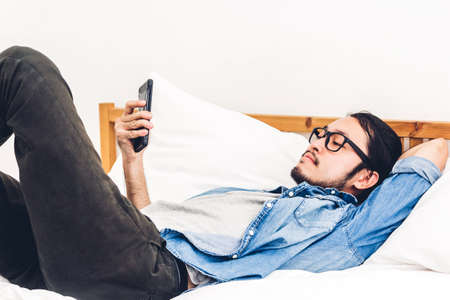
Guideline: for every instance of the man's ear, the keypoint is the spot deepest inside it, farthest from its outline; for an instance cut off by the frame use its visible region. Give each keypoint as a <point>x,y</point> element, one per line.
<point>365,179</point>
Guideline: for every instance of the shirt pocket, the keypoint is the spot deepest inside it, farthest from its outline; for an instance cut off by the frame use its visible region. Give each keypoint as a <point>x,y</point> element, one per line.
<point>320,213</point>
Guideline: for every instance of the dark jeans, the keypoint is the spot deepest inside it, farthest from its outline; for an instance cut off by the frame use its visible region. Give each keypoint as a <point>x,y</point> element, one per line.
<point>66,227</point>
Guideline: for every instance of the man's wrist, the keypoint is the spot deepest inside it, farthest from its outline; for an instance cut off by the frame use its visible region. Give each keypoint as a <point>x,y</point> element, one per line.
<point>132,159</point>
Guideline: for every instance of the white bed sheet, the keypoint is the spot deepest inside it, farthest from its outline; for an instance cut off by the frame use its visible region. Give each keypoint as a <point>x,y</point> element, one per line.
<point>364,282</point>
<point>9,291</point>
<point>368,281</point>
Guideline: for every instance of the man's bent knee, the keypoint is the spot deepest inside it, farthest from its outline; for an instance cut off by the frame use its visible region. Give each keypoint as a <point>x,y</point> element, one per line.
<point>33,58</point>
<point>19,52</point>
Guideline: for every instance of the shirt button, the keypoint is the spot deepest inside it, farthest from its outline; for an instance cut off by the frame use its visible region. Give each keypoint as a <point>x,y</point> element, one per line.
<point>333,192</point>
<point>291,193</point>
<point>251,232</point>
<point>234,256</point>
<point>269,205</point>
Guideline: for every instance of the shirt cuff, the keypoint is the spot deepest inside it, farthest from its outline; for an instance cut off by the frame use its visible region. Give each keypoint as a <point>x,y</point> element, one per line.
<point>420,165</point>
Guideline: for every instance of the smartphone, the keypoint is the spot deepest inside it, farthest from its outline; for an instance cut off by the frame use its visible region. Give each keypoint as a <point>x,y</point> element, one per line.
<point>145,93</point>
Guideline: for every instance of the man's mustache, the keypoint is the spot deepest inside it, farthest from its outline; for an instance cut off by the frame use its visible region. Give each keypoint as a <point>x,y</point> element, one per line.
<point>316,160</point>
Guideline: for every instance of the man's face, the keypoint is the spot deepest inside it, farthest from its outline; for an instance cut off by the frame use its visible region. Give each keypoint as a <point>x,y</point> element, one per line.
<point>322,167</point>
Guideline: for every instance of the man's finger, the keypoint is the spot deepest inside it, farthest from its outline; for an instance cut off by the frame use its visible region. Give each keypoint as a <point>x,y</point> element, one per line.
<point>131,134</point>
<point>137,115</point>
<point>138,124</point>
<point>131,105</point>
<point>137,133</point>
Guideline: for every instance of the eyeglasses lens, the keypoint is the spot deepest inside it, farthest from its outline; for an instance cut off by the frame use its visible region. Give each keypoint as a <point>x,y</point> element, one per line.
<point>335,141</point>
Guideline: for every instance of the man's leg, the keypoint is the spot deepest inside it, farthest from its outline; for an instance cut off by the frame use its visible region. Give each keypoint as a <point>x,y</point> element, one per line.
<point>91,242</point>
<point>18,257</point>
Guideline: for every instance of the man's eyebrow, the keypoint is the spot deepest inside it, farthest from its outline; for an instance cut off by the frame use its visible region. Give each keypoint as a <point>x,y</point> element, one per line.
<point>341,132</point>
<point>336,130</point>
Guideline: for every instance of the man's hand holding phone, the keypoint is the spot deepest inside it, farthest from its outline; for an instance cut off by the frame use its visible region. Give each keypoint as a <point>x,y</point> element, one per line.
<point>132,124</point>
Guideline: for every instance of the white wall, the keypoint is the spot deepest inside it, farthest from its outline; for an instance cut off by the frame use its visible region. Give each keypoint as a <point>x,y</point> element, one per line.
<point>286,57</point>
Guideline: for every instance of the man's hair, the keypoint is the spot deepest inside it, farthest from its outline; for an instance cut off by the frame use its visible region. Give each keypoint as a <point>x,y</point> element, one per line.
<point>384,147</point>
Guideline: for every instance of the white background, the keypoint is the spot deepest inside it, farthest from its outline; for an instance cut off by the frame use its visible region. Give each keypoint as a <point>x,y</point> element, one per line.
<point>295,57</point>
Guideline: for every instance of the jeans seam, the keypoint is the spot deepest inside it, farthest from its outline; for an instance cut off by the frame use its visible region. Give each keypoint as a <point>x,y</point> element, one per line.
<point>178,272</point>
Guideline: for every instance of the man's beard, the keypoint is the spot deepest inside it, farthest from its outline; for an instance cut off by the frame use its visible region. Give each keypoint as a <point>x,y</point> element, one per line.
<point>337,183</point>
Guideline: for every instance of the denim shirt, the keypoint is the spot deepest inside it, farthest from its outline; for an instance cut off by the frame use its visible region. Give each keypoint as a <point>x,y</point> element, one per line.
<point>309,228</point>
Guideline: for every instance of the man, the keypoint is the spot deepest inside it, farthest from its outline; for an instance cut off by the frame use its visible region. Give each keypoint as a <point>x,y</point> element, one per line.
<point>65,227</point>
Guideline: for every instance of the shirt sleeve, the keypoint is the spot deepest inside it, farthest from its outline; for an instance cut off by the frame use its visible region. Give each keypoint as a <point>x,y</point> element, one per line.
<point>389,204</point>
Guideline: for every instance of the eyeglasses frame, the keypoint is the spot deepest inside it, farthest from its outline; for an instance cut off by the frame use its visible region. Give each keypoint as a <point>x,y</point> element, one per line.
<point>327,135</point>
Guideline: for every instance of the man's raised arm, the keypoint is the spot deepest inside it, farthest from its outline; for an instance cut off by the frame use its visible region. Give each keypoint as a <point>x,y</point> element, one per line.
<point>126,128</point>
<point>391,202</point>
<point>435,150</point>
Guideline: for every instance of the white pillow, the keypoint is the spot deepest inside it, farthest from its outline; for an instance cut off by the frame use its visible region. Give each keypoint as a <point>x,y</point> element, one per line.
<point>423,238</point>
<point>196,145</point>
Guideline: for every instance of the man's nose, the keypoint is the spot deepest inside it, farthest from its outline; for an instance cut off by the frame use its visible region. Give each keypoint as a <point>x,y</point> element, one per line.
<point>318,145</point>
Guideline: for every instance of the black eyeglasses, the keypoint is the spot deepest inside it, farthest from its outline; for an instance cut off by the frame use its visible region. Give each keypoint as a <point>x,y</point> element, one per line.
<point>335,141</point>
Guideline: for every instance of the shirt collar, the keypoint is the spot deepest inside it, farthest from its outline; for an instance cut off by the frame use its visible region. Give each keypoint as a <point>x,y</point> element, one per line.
<point>313,189</point>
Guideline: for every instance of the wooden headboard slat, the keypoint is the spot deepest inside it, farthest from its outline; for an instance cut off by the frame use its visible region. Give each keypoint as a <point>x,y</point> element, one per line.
<point>115,113</point>
<point>415,141</point>
<point>427,130</point>
<point>423,130</point>
<point>107,135</point>
<point>415,131</point>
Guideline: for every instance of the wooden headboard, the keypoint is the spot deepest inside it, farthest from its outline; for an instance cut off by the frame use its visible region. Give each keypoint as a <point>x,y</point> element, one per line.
<point>415,132</point>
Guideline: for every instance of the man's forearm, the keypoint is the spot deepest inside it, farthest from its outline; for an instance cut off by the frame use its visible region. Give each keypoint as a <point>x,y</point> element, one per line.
<point>135,182</point>
<point>435,150</point>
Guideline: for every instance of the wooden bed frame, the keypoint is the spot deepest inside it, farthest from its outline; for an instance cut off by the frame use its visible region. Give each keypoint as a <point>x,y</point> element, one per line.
<point>415,132</point>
